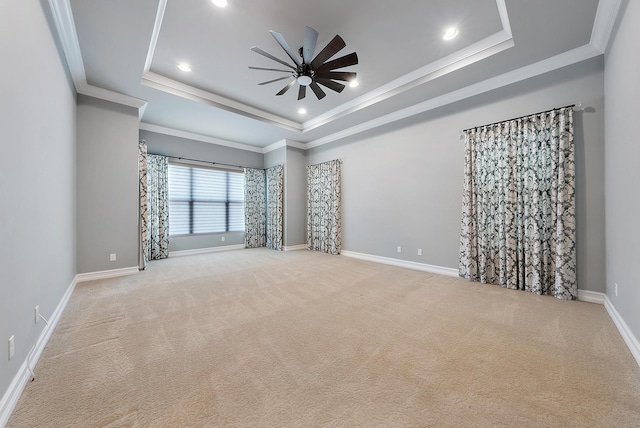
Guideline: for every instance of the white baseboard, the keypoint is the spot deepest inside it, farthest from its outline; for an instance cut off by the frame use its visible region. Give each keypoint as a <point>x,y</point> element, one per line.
<point>205,250</point>
<point>103,274</point>
<point>13,393</point>
<point>296,247</point>
<point>591,296</point>
<point>402,263</point>
<point>623,328</point>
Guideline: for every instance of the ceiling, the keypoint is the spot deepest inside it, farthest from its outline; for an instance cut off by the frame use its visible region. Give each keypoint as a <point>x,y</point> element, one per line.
<point>128,51</point>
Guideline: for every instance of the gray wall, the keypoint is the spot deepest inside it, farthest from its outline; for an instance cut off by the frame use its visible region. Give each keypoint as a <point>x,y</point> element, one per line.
<point>37,179</point>
<point>295,192</point>
<point>275,157</point>
<point>622,153</point>
<point>295,198</point>
<point>402,186</point>
<point>107,185</point>
<point>168,145</point>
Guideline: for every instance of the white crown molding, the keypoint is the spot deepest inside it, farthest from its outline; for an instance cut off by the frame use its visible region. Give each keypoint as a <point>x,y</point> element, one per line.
<point>107,95</point>
<point>12,395</point>
<point>142,110</point>
<point>275,146</point>
<point>284,143</point>
<point>205,250</point>
<point>623,328</point>
<point>604,23</point>
<point>504,16</point>
<point>65,25</point>
<point>478,51</point>
<point>63,19</point>
<point>402,263</point>
<point>162,6</point>
<point>165,84</point>
<point>296,144</point>
<point>198,137</point>
<point>561,60</point>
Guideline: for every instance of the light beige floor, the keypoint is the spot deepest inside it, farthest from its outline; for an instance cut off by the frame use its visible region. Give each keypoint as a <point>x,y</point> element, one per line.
<point>265,338</point>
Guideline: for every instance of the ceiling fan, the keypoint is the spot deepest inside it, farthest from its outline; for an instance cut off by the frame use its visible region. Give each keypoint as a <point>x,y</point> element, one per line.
<point>309,71</point>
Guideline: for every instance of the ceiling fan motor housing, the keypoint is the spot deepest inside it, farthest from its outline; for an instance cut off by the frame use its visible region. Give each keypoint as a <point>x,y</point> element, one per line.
<point>304,74</point>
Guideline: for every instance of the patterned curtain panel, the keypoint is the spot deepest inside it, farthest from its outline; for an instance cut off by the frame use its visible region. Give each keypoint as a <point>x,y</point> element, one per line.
<point>158,208</point>
<point>275,207</point>
<point>255,208</point>
<point>324,221</point>
<point>144,216</point>
<point>518,208</point>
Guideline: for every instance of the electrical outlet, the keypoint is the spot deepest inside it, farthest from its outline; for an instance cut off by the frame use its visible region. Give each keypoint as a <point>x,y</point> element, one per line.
<point>419,251</point>
<point>37,312</point>
<point>399,249</point>
<point>112,257</point>
<point>615,289</point>
<point>12,346</point>
<point>223,239</point>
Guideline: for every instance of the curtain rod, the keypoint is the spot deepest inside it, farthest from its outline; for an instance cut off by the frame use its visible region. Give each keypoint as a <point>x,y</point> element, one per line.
<point>203,161</point>
<point>196,160</point>
<point>578,105</point>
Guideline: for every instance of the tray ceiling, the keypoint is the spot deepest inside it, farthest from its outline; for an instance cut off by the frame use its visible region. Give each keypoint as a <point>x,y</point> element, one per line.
<point>128,52</point>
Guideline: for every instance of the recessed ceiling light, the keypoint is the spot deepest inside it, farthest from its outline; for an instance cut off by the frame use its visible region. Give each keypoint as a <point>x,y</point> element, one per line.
<point>302,111</point>
<point>184,66</point>
<point>220,3</point>
<point>450,33</point>
<point>354,83</point>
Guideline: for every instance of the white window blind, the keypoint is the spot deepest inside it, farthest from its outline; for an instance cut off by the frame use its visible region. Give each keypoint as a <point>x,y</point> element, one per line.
<point>203,200</point>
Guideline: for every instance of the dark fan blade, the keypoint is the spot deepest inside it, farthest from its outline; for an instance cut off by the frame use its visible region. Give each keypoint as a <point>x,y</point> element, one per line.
<point>337,75</point>
<point>302,92</point>
<point>332,48</point>
<point>268,55</point>
<point>274,80</point>
<point>286,88</point>
<point>338,87</point>
<point>310,39</point>
<point>283,43</point>
<point>344,61</point>
<point>270,69</point>
<point>316,90</point>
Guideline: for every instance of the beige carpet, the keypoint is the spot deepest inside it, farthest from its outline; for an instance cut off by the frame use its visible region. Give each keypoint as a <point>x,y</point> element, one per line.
<point>265,338</point>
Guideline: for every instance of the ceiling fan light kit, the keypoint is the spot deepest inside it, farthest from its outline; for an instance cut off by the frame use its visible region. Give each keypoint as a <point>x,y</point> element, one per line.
<point>309,71</point>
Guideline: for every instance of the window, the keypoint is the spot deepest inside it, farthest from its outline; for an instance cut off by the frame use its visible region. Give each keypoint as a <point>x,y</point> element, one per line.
<point>203,200</point>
